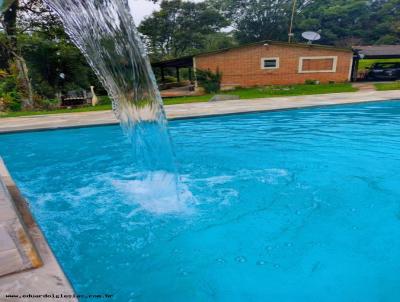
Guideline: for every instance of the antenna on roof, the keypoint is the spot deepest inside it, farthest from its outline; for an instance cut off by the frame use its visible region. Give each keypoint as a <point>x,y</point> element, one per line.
<point>311,36</point>
<point>290,34</point>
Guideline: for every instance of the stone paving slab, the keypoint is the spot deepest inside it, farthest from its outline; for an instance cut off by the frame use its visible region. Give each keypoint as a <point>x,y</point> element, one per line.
<point>80,119</point>
<point>27,263</point>
<point>17,251</point>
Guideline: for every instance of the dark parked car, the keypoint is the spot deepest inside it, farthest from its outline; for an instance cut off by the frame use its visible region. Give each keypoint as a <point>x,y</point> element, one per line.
<point>384,71</point>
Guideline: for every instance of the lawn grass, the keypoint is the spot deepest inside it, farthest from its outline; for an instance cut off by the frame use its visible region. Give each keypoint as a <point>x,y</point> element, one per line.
<point>363,64</point>
<point>388,86</point>
<point>243,93</point>
<point>187,99</point>
<point>269,91</point>
<point>275,91</point>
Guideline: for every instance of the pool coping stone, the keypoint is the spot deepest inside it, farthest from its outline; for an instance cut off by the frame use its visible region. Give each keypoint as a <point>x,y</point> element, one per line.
<point>45,276</point>
<point>194,110</point>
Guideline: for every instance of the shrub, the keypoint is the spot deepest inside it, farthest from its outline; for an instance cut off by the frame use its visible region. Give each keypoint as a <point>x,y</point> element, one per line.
<point>10,98</point>
<point>311,82</point>
<point>43,88</point>
<point>170,79</point>
<point>47,104</point>
<point>210,81</point>
<point>104,100</point>
<point>11,101</point>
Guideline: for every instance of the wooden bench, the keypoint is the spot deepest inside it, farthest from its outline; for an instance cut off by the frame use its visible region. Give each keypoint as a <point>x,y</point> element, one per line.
<point>76,98</point>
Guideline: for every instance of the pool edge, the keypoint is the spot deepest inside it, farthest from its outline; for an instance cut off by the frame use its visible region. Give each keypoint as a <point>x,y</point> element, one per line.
<point>196,110</point>
<point>45,275</point>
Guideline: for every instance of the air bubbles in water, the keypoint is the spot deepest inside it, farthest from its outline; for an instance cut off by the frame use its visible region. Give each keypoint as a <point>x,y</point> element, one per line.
<point>241,259</point>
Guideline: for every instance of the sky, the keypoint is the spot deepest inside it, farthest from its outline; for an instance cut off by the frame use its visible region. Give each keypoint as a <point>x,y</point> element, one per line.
<point>141,9</point>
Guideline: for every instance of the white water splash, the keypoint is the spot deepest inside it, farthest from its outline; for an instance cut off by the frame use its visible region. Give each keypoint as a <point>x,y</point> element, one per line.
<point>155,192</point>
<point>105,33</point>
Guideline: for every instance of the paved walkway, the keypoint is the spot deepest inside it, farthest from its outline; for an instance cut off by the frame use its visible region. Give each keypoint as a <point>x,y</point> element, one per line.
<point>178,91</point>
<point>364,86</point>
<point>54,121</point>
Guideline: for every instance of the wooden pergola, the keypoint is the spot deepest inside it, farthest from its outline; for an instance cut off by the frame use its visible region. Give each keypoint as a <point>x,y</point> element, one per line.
<point>177,64</point>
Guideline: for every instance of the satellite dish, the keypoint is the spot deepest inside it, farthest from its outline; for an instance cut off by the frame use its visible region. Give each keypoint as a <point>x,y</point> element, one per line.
<point>311,36</point>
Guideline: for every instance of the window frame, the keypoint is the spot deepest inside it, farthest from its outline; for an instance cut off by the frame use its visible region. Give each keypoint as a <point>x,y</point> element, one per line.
<point>334,64</point>
<point>276,59</point>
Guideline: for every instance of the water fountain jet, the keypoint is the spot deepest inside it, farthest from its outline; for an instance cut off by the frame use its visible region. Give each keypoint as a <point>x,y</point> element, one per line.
<point>105,33</point>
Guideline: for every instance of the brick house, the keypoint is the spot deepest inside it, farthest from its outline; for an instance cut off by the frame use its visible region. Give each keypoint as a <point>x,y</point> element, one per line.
<point>271,63</point>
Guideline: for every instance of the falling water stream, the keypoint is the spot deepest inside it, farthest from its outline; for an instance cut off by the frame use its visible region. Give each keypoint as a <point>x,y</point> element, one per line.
<point>105,32</point>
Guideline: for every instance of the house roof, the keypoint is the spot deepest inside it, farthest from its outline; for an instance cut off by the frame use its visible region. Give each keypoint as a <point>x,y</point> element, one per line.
<point>181,62</point>
<point>269,42</point>
<point>378,51</point>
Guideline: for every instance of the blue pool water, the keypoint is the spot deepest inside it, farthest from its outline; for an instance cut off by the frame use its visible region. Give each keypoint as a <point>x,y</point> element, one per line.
<point>299,205</point>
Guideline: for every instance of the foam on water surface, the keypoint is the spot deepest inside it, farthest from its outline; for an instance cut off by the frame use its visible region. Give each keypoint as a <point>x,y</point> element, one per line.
<point>156,192</point>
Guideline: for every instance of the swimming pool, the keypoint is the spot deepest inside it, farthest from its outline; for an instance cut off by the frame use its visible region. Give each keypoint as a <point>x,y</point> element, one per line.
<point>297,205</point>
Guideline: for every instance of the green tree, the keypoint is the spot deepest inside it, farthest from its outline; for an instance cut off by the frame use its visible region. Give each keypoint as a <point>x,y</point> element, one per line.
<point>219,40</point>
<point>35,16</point>
<point>256,20</point>
<point>55,64</point>
<point>341,22</point>
<point>384,23</point>
<point>179,28</point>
<point>348,23</point>
<point>22,16</point>
<point>32,37</point>
<point>14,57</point>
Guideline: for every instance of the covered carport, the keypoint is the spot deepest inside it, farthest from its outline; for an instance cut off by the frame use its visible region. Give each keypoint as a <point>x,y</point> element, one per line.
<point>176,65</point>
<point>375,52</point>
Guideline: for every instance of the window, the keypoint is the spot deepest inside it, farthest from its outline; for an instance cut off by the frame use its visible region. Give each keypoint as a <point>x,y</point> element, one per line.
<point>317,64</point>
<point>269,63</point>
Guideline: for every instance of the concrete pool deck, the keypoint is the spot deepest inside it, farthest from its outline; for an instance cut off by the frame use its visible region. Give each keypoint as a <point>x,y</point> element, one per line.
<point>80,119</point>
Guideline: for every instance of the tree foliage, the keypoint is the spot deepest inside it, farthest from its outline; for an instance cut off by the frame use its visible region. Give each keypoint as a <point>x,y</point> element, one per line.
<point>385,22</point>
<point>38,56</point>
<point>56,65</point>
<point>180,28</point>
<point>341,22</point>
<point>255,20</point>
<point>347,23</point>
<point>35,16</point>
